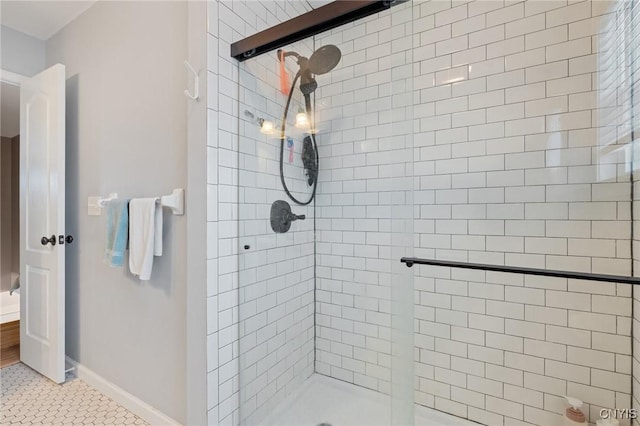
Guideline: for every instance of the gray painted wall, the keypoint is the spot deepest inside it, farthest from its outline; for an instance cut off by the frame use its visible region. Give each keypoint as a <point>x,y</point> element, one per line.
<point>21,53</point>
<point>126,133</point>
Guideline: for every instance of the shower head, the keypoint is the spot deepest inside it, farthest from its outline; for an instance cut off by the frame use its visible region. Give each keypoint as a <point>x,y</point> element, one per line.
<point>321,61</point>
<point>324,59</point>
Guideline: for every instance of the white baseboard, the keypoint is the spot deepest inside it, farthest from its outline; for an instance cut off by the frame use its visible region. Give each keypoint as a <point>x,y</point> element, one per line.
<point>119,395</point>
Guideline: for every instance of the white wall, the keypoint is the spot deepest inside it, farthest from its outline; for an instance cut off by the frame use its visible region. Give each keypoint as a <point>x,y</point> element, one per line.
<point>634,23</point>
<point>276,274</point>
<point>126,133</point>
<point>228,22</point>
<point>366,162</point>
<point>515,115</point>
<point>21,53</point>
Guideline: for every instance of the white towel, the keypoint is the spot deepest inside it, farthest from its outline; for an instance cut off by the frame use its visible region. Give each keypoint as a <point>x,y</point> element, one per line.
<point>145,235</point>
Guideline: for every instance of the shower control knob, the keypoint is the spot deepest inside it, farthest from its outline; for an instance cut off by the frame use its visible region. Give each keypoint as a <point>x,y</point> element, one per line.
<point>44,240</point>
<point>281,216</point>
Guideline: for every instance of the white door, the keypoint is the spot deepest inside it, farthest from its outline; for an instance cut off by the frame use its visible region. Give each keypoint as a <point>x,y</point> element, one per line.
<point>42,216</point>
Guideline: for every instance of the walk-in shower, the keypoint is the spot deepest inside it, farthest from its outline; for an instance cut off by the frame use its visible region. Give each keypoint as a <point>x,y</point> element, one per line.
<point>497,136</point>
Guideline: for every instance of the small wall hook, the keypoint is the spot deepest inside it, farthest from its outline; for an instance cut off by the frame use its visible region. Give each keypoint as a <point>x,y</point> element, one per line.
<point>196,82</point>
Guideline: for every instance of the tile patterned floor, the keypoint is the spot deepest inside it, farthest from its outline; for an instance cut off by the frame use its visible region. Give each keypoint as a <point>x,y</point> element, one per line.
<point>30,399</point>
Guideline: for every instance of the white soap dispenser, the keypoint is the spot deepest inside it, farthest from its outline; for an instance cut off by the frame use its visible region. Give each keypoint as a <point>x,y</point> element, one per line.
<point>573,416</point>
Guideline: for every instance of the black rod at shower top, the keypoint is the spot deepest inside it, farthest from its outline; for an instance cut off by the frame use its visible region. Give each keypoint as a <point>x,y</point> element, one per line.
<point>410,261</point>
<point>308,24</point>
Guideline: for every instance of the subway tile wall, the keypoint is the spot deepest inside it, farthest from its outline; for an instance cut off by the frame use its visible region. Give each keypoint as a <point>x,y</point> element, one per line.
<point>260,301</point>
<point>635,82</point>
<point>518,159</point>
<point>364,110</point>
<point>521,158</point>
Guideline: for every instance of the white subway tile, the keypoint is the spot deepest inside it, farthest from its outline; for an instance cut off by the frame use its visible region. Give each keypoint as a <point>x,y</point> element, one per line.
<point>592,395</point>
<point>563,86</point>
<point>469,25</point>
<point>484,417</point>
<point>449,406</point>
<point>583,64</point>
<point>484,37</point>
<point>596,248</point>
<point>484,68</point>
<point>545,384</point>
<point>546,106</point>
<point>535,7</point>
<point>609,380</point>
<point>477,85</point>
<point>482,7</point>
<point>507,79</point>
<point>607,342</point>
<point>570,372</point>
<point>460,120</point>
<point>505,14</point>
<point>525,126</point>
<point>536,416</point>
<point>525,93</point>
<point>506,47</point>
<point>466,396</point>
<point>568,121</point>
<point>525,26</point>
<point>468,56</point>
<point>591,358</point>
<point>525,329</point>
<point>451,45</point>
<point>507,408</point>
<point>466,335</point>
<point>505,342</point>
<point>524,362</point>
<point>546,37</point>
<point>611,305</point>
<point>544,349</point>
<point>524,295</point>
<point>505,145</point>
<point>523,395</point>
<point>570,49</point>
<point>486,131</point>
<point>435,64</point>
<point>567,300</point>
<point>569,336</point>
<point>452,75</point>
<point>550,71</point>
<point>546,315</point>
<point>528,58</point>
<point>565,15</point>
<point>485,386</point>
<point>592,321</point>
<point>487,323</point>
<point>486,99</point>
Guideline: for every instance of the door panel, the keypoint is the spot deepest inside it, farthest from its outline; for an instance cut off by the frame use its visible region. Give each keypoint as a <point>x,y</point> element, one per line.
<point>42,214</point>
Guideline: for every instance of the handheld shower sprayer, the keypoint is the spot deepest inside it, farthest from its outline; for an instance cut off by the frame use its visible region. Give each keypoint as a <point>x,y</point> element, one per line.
<point>323,60</point>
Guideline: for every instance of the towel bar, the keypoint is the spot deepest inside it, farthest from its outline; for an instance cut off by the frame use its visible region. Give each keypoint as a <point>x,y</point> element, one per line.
<point>174,201</point>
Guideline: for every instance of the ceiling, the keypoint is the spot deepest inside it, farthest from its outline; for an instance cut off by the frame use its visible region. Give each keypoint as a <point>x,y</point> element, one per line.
<point>40,19</point>
<point>9,110</point>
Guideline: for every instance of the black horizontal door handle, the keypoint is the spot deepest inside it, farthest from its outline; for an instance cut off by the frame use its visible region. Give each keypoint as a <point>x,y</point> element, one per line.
<point>44,240</point>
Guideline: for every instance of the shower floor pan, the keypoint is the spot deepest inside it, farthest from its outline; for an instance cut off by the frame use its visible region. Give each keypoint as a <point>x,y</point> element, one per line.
<point>322,399</point>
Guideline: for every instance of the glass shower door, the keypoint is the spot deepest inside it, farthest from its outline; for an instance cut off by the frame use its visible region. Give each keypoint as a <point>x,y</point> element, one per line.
<point>325,214</point>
